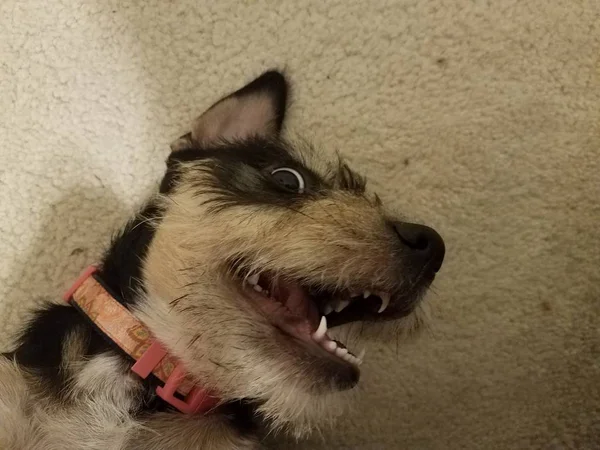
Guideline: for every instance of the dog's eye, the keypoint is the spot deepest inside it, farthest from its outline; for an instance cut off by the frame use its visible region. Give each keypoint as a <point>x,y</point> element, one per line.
<point>289,179</point>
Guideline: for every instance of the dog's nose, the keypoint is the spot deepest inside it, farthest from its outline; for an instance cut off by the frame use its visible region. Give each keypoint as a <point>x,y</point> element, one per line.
<point>424,243</point>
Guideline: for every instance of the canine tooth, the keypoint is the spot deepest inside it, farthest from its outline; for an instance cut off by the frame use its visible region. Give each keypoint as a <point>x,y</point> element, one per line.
<point>385,301</point>
<point>321,331</point>
<point>341,304</point>
<point>341,352</point>
<point>257,288</point>
<point>330,346</point>
<point>366,294</point>
<point>253,280</point>
<point>327,309</point>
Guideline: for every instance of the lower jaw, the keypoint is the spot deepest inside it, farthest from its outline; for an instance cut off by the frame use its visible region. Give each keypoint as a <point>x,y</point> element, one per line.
<point>326,367</point>
<point>322,364</point>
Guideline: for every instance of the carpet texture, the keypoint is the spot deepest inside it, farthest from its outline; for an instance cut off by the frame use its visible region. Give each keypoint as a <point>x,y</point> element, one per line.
<point>479,118</point>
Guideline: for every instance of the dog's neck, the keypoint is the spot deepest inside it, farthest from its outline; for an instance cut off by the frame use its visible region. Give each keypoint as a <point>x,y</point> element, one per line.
<point>121,328</point>
<point>41,345</point>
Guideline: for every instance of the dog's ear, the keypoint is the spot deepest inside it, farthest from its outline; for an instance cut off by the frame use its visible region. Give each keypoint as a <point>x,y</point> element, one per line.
<point>257,109</point>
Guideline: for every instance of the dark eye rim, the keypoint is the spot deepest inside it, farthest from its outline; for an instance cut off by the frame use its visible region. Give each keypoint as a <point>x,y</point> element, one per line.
<point>296,173</point>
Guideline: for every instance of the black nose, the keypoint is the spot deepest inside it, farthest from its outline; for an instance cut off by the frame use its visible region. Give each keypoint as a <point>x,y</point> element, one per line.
<point>425,243</point>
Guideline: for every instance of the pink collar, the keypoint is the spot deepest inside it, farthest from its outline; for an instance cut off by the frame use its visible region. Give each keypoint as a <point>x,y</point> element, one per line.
<point>90,297</point>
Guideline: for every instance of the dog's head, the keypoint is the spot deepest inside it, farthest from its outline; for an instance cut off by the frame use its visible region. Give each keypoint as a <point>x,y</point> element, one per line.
<point>261,246</point>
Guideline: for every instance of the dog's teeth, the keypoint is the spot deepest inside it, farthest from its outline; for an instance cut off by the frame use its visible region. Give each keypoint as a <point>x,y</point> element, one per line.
<point>354,293</point>
<point>253,280</point>
<point>366,294</point>
<point>385,301</point>
<point>341,304</point>
<point>321,331</point>
<point>341,352</point>
<point>349,357</point>
<point>361,355</point>
<point>327,309</point>
<point>257,288</point>
<point>330,346</point>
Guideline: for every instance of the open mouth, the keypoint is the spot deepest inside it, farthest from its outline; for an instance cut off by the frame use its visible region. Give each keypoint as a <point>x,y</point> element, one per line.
<point>304,311</point>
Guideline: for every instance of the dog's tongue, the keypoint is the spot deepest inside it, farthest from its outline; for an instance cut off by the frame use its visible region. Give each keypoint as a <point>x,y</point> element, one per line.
<point>300,315</point>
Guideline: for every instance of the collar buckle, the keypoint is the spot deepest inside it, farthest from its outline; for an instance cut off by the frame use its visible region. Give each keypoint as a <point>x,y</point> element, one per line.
<point>196,401</point>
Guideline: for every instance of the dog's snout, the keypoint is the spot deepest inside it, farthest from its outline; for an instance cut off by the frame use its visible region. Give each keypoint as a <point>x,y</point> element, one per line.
<point>423,242</point>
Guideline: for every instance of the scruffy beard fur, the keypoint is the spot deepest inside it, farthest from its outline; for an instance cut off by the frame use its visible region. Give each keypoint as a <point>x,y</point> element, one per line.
<point>226,214</point>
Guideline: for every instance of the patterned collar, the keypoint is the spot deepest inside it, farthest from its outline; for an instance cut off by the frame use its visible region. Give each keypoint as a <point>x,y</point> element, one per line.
<point>116,323</point>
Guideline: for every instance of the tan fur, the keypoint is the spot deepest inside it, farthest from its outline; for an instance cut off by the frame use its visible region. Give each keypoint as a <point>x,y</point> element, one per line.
<point>164,431</point>
<point>15,427</point>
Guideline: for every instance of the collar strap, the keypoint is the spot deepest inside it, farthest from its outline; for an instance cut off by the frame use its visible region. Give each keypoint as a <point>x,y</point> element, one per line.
<point>121,327</point>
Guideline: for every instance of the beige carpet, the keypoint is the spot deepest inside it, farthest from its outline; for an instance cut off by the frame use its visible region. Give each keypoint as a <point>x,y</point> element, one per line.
<point>480,118</point>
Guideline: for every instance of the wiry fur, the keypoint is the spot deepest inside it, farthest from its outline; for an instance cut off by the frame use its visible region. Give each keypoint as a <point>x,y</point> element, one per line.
<point>179,267</point>
<point>98,415</point>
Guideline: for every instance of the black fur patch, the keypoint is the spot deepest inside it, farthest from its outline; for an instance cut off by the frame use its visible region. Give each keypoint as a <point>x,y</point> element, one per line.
<point>40,346</point>
<point>242,415</point>
<point>121,265</point>
<point>239,173</point>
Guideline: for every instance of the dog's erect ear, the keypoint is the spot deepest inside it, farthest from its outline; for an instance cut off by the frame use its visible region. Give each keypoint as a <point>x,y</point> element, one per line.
<point>257,109</point>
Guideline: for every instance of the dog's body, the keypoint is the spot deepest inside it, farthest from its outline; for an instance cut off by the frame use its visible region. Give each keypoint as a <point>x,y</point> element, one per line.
<point>249,242</point>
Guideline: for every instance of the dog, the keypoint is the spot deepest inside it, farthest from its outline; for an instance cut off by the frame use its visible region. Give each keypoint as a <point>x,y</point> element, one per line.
<point>231,279</point>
